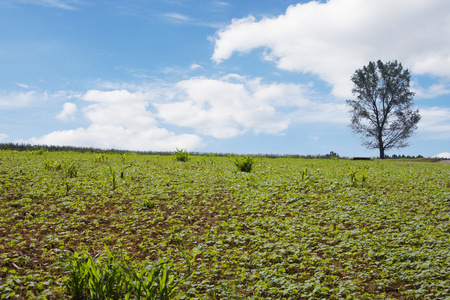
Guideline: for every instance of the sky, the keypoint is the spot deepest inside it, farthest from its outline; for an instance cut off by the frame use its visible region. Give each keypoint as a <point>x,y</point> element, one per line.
<point>231,76</point>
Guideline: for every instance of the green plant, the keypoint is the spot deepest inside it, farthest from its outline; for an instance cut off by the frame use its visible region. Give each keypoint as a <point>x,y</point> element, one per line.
<point>363,174</point>
<point>244,163</point>
<point>101,157</point>
<point>181,155</point>
<point>304,172</point>
<point>71,171</point>
<point>112,174</point>
<point>111,277</point>
<point>148,203</point>
<point>40,151</point>
<point>353,174</point>
<point>52,165</point>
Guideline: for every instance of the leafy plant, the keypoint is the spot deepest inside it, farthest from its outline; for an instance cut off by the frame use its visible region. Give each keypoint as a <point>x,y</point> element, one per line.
<point>52,165</point>
<point>112,175</point>
<point>244,163</point>
<point>101,157</point>
<point>181,155</point>
<point>353,174</point>
<point>148,203</point>
<point>304,173</point>
<point>71,171</point>
<point>111,277</point>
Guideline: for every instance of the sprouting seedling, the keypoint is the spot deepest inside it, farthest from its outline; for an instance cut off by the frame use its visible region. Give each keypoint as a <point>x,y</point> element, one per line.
<point>101,157</point>
<point>71,171</point>
<point>113,177</point>
<point>148,204</point>
<point>353,175</point>
<point>304,172</point>
<point>363,174</point>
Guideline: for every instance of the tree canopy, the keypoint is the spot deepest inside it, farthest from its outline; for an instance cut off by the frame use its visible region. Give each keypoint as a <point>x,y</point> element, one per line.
<point>383,113</point>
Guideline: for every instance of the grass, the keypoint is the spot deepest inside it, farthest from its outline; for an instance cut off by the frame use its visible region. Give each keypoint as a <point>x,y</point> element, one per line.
<point>290,228</point>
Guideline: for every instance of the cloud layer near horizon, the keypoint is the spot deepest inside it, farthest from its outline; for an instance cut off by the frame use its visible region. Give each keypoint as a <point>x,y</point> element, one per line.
<point>134,117</point>
<point>334,38</point>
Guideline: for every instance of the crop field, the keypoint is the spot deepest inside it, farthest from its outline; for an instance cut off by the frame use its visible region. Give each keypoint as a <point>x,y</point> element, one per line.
<point>291,228</point>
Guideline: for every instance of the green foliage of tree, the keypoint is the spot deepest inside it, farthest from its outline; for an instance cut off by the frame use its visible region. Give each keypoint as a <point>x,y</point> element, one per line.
<point>383,113</point>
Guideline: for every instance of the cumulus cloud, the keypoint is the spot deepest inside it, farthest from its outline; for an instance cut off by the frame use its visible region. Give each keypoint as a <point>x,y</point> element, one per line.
<point>120,119</point>
<point>15,100</point>
<point>443,155</point>
<point>110,136</point>
<point>231,105</point>
<point>67,112</point>
<point>334,38</point>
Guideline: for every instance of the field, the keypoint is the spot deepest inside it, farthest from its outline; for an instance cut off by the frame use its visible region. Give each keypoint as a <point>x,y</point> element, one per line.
<point>291,228</point>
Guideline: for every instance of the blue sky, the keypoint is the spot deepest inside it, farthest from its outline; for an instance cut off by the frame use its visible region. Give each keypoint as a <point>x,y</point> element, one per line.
<point>214,76</point>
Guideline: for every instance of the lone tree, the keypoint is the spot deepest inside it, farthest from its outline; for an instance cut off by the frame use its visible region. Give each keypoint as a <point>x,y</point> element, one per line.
<point>383,112</point>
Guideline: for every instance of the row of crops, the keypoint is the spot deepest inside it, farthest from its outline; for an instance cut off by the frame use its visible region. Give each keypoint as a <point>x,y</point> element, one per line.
<point>152,227</point>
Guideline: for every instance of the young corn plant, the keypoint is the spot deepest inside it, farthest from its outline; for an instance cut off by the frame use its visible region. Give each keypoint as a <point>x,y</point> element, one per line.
<point>244,163</point>
<point>363,174</point>
<point>52,165</point>
<point>148,204</point>
<point>181,155</point>
<point>112,278</point>
<point>304,173</point>
<point>101,157</point>
<point>112,174</point>
<point>71,171</point>
<point>353,174</point>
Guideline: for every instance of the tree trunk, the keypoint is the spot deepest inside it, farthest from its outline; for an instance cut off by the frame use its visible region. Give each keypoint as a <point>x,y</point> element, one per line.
<point>381,152</point>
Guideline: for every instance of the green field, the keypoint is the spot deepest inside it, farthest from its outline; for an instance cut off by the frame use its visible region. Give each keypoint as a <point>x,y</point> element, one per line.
<point>291,228</point>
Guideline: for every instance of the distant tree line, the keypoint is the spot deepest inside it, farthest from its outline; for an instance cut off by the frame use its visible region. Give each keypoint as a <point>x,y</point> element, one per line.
<point>53,148</point>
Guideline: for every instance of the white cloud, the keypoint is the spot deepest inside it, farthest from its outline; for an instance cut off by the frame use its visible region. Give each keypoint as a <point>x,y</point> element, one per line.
<point>118,108</point>
<point>443,155</point>
<point>110,136</point>
<point>22,85</point>
<point>119,119</point>
<point>68,110</point>
<point>433,91</point>
<point>195,66</point>
<point>176,17</point>
<point>14,100</point>
<point>61,4</point>
<point>334,38</point>
<point>231,105</point>
<point>435,122</point>
<point>3,136</point>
